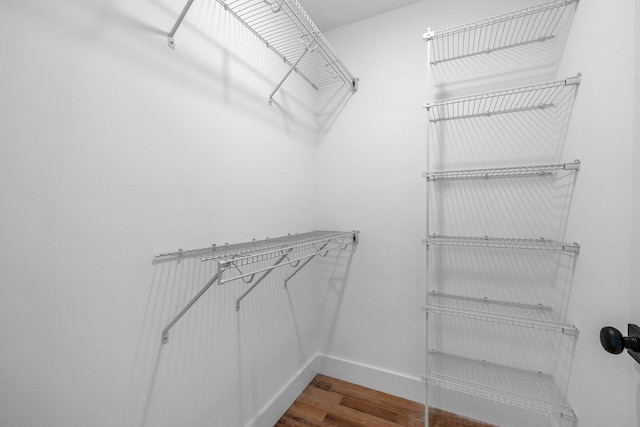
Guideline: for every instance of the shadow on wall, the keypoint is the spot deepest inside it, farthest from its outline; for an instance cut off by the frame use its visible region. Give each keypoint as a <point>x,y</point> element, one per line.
<point>222,366</point>
<point>336,274</point>
<point>217,60</point>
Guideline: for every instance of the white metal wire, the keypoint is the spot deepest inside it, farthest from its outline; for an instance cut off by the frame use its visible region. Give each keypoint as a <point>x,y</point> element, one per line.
<point>533,24</point>
<point>504,172</point>
<point>525,98</point>
<point>503,243</point>
<point>287,30</point>
<point>215,253</point>
<point>521,315</point>
<point>528,390</point>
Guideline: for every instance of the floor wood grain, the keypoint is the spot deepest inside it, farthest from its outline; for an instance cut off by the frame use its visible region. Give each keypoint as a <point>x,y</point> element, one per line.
<point>331,402</point>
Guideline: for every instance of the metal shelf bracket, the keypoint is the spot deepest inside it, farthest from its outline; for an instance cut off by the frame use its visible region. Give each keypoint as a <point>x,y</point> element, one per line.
<point>171,42</point>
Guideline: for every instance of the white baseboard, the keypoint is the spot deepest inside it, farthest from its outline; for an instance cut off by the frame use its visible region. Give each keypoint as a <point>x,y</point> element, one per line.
<point>411,388</point>
<point>288,394</point>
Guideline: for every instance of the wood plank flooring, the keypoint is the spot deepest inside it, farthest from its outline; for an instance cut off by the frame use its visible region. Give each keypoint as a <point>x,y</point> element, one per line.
<point>331,402</point>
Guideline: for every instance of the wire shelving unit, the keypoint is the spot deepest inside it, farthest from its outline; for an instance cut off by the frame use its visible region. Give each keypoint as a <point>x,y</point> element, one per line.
<point>533,24</point>
<point>533,391</point>
<point>526,98</point>
<point>245,261</point>
<point>517,29</point>
<point>508,313</point>
<point>503,172</point>
<point>286,29</point>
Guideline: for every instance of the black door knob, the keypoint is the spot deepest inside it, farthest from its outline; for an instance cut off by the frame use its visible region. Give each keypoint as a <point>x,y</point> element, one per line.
<point>613,341</point>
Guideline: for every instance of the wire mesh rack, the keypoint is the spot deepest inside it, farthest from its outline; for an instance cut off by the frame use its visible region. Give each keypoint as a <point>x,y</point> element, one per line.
<point>508,313</point>
<point>528,390</point>
<point>503,172</point>
<point>252,256</point>
<point>502,243</point>
<point>525,98</point>
<point>533,24</point>
<point>285,28</point>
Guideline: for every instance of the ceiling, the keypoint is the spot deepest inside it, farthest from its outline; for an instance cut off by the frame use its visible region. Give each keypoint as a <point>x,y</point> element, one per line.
<point>328,14</point>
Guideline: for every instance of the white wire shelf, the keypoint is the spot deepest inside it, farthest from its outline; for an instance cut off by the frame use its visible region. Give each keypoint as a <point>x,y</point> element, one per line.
<point>252,256</point>
<point>519,99</point>
<point>533,24</point>
<point>537,317</point>
<point>533,391</point>
<point>285,28</point>
<point>502,243</point>
<point>504,172</point>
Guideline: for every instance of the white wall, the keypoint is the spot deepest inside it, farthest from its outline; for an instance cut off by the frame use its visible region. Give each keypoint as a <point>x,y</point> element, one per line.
<point>378,145</point>
<point>115,148</point>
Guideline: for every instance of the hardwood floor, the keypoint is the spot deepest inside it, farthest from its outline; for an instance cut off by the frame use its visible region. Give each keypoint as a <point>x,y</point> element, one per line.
<point>331,402</point>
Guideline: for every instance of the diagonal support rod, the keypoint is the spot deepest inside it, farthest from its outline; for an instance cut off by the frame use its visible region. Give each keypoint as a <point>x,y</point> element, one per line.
<point>266,273</point>
<point>172,43</point>
<point>305,263</point>
<point>165,332</point>
<point>286,76</point>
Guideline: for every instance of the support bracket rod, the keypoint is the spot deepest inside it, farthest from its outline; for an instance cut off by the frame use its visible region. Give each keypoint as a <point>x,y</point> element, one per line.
<point>303,265</point>
<point>171,41</point>
<point>266,273</point>
<point>165,332</point>
<point>308,48</point>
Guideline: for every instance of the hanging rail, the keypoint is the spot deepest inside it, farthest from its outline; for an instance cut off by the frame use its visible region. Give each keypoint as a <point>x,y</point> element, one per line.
<point>285,28</point>
<point>506,172</point>
<point>502,243</point>
<point>525,98</point>
<point>533,24</point>
<point>533,391</point>
<point>239,256</point>
<point>522,315</point>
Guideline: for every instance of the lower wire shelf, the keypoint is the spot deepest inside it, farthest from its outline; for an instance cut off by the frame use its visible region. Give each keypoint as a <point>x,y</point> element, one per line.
<point>522,315</point>
<point>523,389</point>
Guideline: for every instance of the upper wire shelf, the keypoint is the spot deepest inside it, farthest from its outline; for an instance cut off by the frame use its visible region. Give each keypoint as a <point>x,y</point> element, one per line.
<point>537,317</point>
<point>533,24</point>
<point>533,391</point>
<point>252,256</point>
<point>524,98</point>
<point>285,28</point>
<point>503,243</point>
<point>504,172</point>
